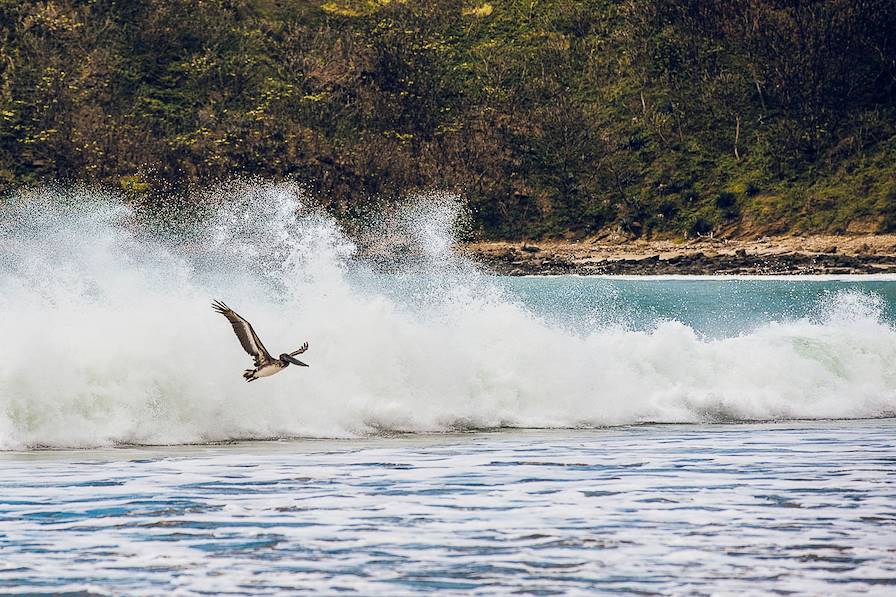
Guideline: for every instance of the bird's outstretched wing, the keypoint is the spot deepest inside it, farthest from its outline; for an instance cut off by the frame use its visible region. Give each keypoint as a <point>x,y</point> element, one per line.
<point>243,330</point>
<point>299,351</point>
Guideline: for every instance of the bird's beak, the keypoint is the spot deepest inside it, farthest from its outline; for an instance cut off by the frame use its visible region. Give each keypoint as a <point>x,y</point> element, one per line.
<point>295,361</point>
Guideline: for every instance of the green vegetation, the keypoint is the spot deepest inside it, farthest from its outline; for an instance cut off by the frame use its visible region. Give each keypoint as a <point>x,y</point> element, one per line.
<point>553,117</point>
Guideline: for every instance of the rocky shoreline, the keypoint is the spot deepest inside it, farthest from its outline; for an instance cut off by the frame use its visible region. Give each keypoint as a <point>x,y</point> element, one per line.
<point>817,255</point>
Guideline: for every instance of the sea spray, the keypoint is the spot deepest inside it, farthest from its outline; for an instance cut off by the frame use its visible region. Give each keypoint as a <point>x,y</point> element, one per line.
<point>108,337</point>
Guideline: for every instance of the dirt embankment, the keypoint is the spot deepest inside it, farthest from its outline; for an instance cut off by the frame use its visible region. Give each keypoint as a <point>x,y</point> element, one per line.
<point>860,254</point>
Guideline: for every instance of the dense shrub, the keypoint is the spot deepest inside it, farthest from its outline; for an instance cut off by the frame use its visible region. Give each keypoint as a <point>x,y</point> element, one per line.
<point>550,117</point>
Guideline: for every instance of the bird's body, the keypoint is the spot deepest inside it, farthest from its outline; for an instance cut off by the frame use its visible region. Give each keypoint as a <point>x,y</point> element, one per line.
<point>265,371</point>
<point>265,364</point>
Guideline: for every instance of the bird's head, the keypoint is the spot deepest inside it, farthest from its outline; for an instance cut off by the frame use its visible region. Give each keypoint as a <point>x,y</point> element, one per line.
<point>287,359</point>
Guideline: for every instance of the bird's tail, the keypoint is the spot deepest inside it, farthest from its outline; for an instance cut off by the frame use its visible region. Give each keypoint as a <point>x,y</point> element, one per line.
<point>249,374</point>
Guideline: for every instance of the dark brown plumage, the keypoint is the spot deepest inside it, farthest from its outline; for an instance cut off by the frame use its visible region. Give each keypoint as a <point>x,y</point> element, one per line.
<point>265,364</point>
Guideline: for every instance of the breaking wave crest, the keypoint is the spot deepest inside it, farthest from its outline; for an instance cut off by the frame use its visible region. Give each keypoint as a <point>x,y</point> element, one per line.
<point>108,338</point>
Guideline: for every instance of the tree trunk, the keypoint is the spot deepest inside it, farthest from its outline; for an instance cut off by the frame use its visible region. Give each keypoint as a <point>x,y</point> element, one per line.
<point>737,137</point>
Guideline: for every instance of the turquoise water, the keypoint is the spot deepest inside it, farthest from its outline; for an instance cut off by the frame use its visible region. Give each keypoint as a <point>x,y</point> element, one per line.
<point>800,508</point>
<point>714,308</point>
<point>455,433</point>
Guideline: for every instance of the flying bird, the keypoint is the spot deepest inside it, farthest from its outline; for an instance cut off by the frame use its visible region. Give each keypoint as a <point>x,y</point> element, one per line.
<point>265,364</point>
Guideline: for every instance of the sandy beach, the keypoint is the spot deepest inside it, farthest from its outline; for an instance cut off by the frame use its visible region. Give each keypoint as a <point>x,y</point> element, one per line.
<point>859,254</point>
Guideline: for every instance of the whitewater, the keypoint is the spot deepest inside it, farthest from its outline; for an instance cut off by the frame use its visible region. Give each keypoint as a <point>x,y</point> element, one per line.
<point>108,337</point>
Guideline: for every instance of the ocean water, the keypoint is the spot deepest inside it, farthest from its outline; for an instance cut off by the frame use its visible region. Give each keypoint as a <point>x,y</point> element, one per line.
<point>456,432</point>
<point>796,508</point>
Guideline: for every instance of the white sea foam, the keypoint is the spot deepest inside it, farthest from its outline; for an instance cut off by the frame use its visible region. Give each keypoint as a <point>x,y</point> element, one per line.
<point>107,336</point>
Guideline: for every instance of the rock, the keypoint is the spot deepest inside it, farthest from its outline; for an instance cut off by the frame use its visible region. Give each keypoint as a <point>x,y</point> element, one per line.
<point>531,249</point>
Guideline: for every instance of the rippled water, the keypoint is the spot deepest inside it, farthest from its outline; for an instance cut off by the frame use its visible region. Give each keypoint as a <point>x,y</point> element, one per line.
<point>108,340</point>
<point>807,507</point>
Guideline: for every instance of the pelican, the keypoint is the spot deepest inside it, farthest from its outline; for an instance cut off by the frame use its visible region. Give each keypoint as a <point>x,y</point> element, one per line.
<point>265,364</point>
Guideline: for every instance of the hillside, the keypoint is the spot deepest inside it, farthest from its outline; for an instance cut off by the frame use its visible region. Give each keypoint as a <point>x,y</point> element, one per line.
<point>557,118</point>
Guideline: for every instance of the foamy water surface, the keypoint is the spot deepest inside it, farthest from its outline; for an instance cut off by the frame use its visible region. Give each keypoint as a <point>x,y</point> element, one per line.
<point>455,433</point>
<point>805,508</point>
<point>109,338</point>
